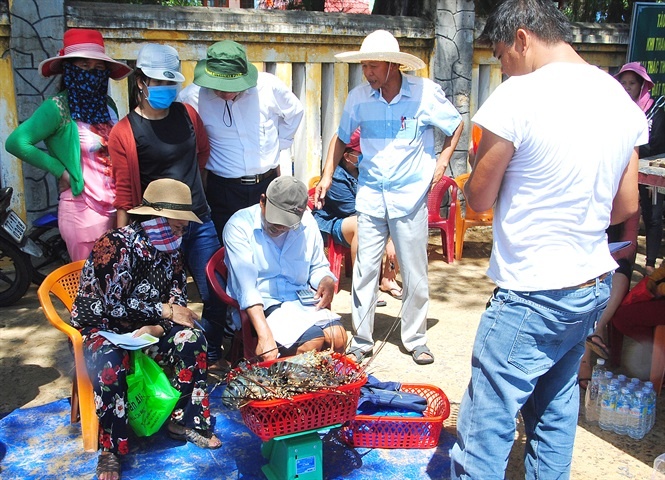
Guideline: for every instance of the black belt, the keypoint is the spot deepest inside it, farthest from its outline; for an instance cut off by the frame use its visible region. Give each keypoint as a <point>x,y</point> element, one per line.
<point>253,179</point>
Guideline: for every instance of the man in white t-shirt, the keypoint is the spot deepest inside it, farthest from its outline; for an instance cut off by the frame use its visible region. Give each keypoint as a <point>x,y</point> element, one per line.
<point>558,162</point>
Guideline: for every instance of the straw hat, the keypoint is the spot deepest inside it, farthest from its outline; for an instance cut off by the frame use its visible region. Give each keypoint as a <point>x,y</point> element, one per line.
<point>226,68</point>
<point>286,201</point>
<point>381,46</point>
<point>83,43</point>
<point>167,198</point>
<point>160,62</point>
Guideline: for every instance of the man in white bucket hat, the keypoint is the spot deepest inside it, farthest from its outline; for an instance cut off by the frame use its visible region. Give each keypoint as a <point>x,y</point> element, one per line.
<point>397,114</point>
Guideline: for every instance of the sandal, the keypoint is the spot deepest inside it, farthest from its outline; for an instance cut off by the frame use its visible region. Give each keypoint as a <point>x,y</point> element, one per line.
<point>420,350</point>
<point>358,355</point>
<point>200,438</point>
<point>393,292</point>
<point>108,463</point>
<point>598,347</point>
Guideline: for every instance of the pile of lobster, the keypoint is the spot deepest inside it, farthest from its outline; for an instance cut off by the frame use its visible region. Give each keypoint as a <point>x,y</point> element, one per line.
<point>305,373</point>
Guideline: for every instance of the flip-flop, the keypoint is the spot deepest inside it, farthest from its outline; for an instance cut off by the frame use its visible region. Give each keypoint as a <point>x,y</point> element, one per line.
<point>109,463</point>
<point>418,351</point>
<point>220,367</point>
<point>358,356</point>
<point>393,292</point>
<point>599,349</point>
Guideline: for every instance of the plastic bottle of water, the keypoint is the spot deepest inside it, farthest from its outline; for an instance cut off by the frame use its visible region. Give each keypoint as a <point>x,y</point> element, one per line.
<point>622,380</point>
<point>636,383</point>
<point>650,403</point>
<point>604,382</point>
<point>621,417</point>
<point>635,422</point>
<point>591,398</point>
<point>608,403</point>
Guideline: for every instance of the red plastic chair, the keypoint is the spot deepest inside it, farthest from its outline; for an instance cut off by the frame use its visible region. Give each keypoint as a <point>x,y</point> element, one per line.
<point>436,221</point>
<point>336,253</point>
<point>217,273</point>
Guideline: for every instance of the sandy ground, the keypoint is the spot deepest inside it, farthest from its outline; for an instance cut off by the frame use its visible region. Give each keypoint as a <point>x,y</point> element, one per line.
<point>36,366</point>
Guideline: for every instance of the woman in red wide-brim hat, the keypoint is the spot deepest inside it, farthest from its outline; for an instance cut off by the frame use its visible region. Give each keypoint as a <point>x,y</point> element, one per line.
<point>75,125</point>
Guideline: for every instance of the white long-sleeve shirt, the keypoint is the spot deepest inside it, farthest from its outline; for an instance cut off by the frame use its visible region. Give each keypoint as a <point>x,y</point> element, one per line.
<point>246,137</point>
<point>261,271</point>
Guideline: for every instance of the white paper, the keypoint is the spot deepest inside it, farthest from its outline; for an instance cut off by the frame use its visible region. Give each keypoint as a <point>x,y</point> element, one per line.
<point>128,341</point>
<point>292,319</point>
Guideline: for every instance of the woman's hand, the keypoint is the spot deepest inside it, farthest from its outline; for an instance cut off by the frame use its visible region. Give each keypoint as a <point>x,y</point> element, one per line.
<point>64,182</point>
<point>183,316</point>
<point>154,330</point>
<point>180,315</point>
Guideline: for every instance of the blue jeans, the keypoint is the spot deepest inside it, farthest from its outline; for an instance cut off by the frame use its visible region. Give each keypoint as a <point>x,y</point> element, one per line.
<point>525,358</point>
<point>199,243</point>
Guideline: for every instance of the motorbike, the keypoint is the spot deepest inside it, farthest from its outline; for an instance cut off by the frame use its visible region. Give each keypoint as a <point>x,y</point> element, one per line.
<point>26,255</point>
<point>45,234</point>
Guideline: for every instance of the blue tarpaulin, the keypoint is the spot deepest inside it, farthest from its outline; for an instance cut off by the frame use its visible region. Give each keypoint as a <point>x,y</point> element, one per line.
<point>40,443</point>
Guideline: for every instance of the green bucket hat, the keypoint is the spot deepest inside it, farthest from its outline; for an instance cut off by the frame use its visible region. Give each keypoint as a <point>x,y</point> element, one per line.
<point>226,68</point>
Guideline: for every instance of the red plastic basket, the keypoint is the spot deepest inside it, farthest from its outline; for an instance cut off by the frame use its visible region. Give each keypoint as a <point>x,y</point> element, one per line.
<point>308,411</point>
<point>401,432</point>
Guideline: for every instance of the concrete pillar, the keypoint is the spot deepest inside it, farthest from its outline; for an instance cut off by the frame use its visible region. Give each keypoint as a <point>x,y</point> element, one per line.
<point>37,28</point>
<point>453,60</point>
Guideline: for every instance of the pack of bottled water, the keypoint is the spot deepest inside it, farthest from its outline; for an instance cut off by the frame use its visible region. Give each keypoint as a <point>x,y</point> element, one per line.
<point>626,406</point>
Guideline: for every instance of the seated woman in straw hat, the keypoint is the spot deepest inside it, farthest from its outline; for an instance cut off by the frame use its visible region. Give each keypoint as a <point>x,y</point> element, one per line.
<point>135,281</point>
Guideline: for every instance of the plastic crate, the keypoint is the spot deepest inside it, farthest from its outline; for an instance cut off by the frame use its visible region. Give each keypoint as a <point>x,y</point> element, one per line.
<point>401,432</point>
<point>308,411</point>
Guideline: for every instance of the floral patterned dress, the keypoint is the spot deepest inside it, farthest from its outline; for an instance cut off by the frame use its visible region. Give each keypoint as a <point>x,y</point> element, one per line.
<point>123,285</point>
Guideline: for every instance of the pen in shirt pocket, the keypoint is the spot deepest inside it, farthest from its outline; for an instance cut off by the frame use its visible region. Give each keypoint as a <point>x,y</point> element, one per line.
<point>403,125</point>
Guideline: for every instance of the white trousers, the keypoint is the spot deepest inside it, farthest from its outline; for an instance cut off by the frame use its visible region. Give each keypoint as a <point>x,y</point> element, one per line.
<point>409,234</point>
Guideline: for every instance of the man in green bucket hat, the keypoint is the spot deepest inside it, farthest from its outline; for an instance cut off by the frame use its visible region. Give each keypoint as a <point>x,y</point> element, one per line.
<point>250,117</point>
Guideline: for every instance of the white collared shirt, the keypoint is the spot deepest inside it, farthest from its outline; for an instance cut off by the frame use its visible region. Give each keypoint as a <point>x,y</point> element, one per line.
<point>397,142</point>
<point>262,272</point>
<point>246,138</point>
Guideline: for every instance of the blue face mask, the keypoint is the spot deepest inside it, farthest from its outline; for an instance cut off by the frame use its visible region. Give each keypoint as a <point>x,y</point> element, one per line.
<point>161,97</point>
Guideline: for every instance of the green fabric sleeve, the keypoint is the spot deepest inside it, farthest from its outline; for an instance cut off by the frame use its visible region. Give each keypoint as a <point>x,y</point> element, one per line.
<point>43,124</point>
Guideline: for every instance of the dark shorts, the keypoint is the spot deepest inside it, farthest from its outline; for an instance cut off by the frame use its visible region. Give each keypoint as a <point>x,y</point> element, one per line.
<point>311,333</point>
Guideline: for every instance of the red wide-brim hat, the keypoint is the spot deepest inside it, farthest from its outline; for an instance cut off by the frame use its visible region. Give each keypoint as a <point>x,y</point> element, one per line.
<point>83,43</point>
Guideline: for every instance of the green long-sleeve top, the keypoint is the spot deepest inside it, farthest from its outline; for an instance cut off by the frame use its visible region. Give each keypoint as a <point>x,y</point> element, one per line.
<point>52,123</point>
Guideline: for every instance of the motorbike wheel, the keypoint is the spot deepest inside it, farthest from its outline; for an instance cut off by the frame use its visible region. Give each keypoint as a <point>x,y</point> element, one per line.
<point>54,252</point>
<point>14,273</point>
